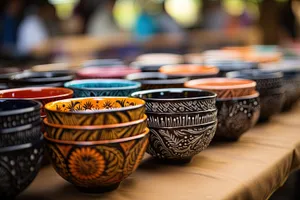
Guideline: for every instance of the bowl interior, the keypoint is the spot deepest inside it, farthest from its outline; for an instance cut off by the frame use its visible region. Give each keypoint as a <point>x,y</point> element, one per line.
<point>98,84</point>
<point>17,105</point>
<point>189,69</point>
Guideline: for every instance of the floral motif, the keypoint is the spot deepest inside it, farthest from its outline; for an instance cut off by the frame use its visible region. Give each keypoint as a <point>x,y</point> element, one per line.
<point>108,104</point>
<point>88,105</point>
<point>72,105</point>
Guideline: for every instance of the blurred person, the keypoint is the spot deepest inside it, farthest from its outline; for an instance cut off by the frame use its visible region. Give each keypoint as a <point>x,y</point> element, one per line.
<point>102,21</point>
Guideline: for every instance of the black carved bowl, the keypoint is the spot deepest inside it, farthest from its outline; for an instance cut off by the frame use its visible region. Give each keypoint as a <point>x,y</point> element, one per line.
<point>181,119</point>
<point>97,166</point>
<point>179,144</point>
<point>103,87</point>
<point>17,112</point>
<point>177,100</point>
<point>21,134</point>
<point>236,116</point>
<point>19,165</point>
<point>155,80</point>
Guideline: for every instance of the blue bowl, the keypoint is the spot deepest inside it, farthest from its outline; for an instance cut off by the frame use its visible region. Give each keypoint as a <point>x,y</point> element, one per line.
<point>102,87</point>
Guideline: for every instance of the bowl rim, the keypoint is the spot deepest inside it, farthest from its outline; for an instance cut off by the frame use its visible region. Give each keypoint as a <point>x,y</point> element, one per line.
<point>165,70</point>
<point>261,74</point>
<point>196,83</point>
<point>94,62</point>
<point>25,76</point>
<point>71,84</point>
<point>170,79</point>
<point>95,111</point>
<point>182,127</point>
<point>67,93</point>
<point>143,92</point>
<point>21,128</point>
<point>182,113</point>
<point>95,127</point>
<point>37,106</point>
<point>22,146</point>
<point>99,142</point>
<point>252,96</point>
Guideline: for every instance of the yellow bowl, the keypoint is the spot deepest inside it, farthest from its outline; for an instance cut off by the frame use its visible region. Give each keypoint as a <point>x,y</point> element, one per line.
<point>95,111</point>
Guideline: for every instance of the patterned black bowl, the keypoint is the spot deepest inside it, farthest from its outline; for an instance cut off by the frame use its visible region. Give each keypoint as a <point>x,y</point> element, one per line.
<point>17,112</point>
<point>236,116</point>
<point>19,165</point>
<point>179,144</point>
<point>177,100</point>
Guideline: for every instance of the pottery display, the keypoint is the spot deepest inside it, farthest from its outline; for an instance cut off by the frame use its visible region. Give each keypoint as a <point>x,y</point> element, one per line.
<point>228,66</point>
<point>236,116</point>
<point>112,72</point>
<point>155,80</point>
<point>190,71</point>
<point>14,113</point>
<point>103,63</point>
<point>42,94</point>
<point>224,87</point>
<point>55,67</point>
<point>5,74</point>
<point>98,166</point>
<point>50,79</point>
<point>19,165</point>
<point>95,133</point>
<point>104,87</point>
<point>95,111</point>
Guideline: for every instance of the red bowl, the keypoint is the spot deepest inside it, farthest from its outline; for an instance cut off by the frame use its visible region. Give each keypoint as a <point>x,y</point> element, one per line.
<point>42,94</point>
<point>105,72</point>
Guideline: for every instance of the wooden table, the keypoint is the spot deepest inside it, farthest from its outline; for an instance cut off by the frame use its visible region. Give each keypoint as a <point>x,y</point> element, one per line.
<point>252,168</point>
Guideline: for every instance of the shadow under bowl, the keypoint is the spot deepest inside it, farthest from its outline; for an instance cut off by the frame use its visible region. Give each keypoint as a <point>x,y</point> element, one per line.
<point>95,133</point>
<point>95,111</point>
<point>109,162</point>
<point>103,87</point>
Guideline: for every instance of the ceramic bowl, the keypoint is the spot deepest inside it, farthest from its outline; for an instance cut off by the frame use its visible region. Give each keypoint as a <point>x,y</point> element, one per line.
<point>236,116</point>
<point>222,55</point>
<point>190,71</point>
<point>103,63</point>
<point>155,80</point>
<point>95,133</point>
<point>51,79</point>
<point>20,134</point>
<point>95,111</point>
<point>224,87</point>
<point>16,112</point>
<point>100,166</point>
<point>263,57</point>
<point>42,94</point>
<point>55,67</point>
<point>181,119</point>
<point>5,74</point>
<point>113,72</point>
<point>177,100</point>
<point>19,165</point>
<point>107,87</point>
<point>180,144</point>
<point>233,65</point>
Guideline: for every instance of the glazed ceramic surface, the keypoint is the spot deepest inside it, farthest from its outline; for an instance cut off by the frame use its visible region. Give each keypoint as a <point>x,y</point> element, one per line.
<point>97,166</point>
<point>95,133</point>
<point>180,143</point>
<point>177,100</point>
<point>191,71</point>
<point>224,87</point>
<point>234,65</point>
<point>19,165</point>
<point>15,113</point>
<point>95,111</point>
<point>105,72</point>
<point>42,94</point>
<point>182,119</point>
<point>236,116</point>
<point>108,87</point>
<point>21,134</point>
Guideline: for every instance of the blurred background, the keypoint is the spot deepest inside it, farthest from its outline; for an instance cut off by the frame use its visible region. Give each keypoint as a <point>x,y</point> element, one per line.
<point>47,31</point>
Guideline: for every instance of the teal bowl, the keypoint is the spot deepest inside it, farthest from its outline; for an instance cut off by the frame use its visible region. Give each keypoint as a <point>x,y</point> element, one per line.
<point>103,87</point>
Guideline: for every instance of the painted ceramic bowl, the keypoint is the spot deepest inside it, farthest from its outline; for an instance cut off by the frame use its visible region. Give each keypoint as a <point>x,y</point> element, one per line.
<point>42,94</point>
<point>234,65</point>
<point>224,87</point>
<point>20,134</point>
<point>95,111</point>
<point>95,133</point>
<point>16,112</point>
<point>105,87</point>
<point>19,165</point>
<point>103,63</point>
<point>177,100</point>
<point>190,71</point>
<point>155,80</point>
<point>181,119</point>
<point>180,144</point>
<point>263,57</point>
<point>105,72</point>
<point>55,67</point>
<point>236,116</point>
<point>50,79</point>
<point>100,166</point>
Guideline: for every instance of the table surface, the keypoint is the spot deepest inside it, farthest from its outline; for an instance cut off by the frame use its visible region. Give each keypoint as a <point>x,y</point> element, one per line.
<point>252,168</point>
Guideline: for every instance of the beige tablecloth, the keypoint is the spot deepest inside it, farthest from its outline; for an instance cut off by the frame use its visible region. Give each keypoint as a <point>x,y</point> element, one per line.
<point>252,168</point>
